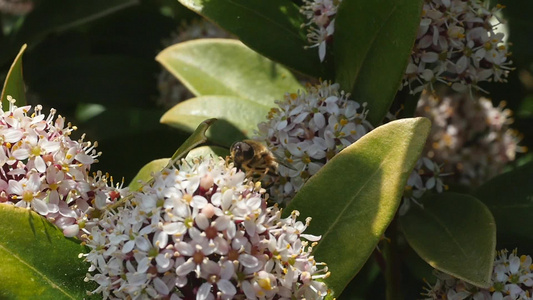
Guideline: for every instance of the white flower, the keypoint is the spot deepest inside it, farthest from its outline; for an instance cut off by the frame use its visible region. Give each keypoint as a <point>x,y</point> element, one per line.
<point>457,45</point>
<point>470,138</point>
<point>20,7</point>
<point>202,231</point>
<point>44,170</point>
<point>321,23</point>
<point>511,279</point>
<point>309,128</point>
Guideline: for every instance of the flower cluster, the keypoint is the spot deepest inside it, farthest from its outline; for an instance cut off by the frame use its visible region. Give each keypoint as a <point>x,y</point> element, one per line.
<point>44,170</point>
<point>202,231</point>
<point>321,23</point>
<point>16,7</point>
<point>307,129</point>
<point>512,278</point>
<point>458,45</point>
<point>470,137</point>
<point>425,176</point>
<point>171,91</point>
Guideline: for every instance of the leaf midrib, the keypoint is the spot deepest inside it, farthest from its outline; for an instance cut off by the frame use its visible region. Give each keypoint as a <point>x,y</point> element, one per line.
<point>371,44</point>
<point>42,275</point>
<point>349,203</point>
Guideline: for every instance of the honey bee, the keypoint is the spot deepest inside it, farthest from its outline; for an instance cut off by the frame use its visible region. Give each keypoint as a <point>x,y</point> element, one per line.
<point>254,159</point>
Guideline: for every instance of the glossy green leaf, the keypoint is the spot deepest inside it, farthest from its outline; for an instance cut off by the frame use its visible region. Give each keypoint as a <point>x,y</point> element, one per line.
<point>237,118</point>
<point>353,198</point>
<point>14,83</point>
<point>145,173</point>
<point>272,28</point>
<point>373,40</point>
<point>454,233</point>
<point>36,260</point>
<point>57,15</point>
<point>197,137</point>
<point>227,67</point>
<point>508,196</point>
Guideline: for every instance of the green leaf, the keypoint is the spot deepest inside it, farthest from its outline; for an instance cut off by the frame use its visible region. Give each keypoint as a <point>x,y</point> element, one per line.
<point>227,67</point>
<point>197,137</point>
<point>454,233</point>
<point>14,83</point>
<point>145,173</point>
<point>144,176</point>
<point>56,16</point>
<point>272,28</point>
<point>508,196</point>
<point>237,117</point>
<point>353,198</point>
<point>37,261</point>
<point>373,40</point>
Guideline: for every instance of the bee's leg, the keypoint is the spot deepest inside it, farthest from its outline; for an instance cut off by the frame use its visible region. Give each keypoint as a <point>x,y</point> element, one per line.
<point>262,176</point>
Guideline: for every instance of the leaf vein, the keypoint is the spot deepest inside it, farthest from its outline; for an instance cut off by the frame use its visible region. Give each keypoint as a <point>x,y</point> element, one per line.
<point>52,284</point>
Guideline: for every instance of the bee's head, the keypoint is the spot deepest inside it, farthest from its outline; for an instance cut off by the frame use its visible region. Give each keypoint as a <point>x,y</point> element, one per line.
<point>240,152</point>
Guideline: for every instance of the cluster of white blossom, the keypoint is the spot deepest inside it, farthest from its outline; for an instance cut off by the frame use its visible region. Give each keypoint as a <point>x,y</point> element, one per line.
<point>425,176</point>
<point>470,138</point>
<point>44,170</point>
<point>458,45</point>
<point>512,279</point>
<point>16,7</point>
<point>171,90</point>
<point>321,23</point>
<point>202,231</point>
<point>307,129</point>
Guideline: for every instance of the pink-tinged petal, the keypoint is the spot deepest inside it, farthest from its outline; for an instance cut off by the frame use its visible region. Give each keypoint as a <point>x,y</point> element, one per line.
<point>226,287</point>
<point>198,202</point>
<point>461,64</point>
<point>84,158</point>
<point>40,206</point>
<point>174,227</point>
<point>175,296</point>
<point>143,265</point>
<point>71,230</point>
<point>128,247</point>
<point>160,286</point>
<point>248,260</point>
<point>142,243</point>
<point>186,268</point>
<point>202,221</point>
<point>21,153</point>
<point>12,135</point>
<point>15,187</point>
<point>430,57</point>
<point>227,270</point>
<point>22,204</point>
<point>322,51</point>
<point>222,223</point>
<point>248,290</point>
<point>40,165</point>
<point>204,291</point>
<point>34,183</point>
<point>162,260</point>
<point>184,248</point>
<point>196,235</point>
<point>161,239</point>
